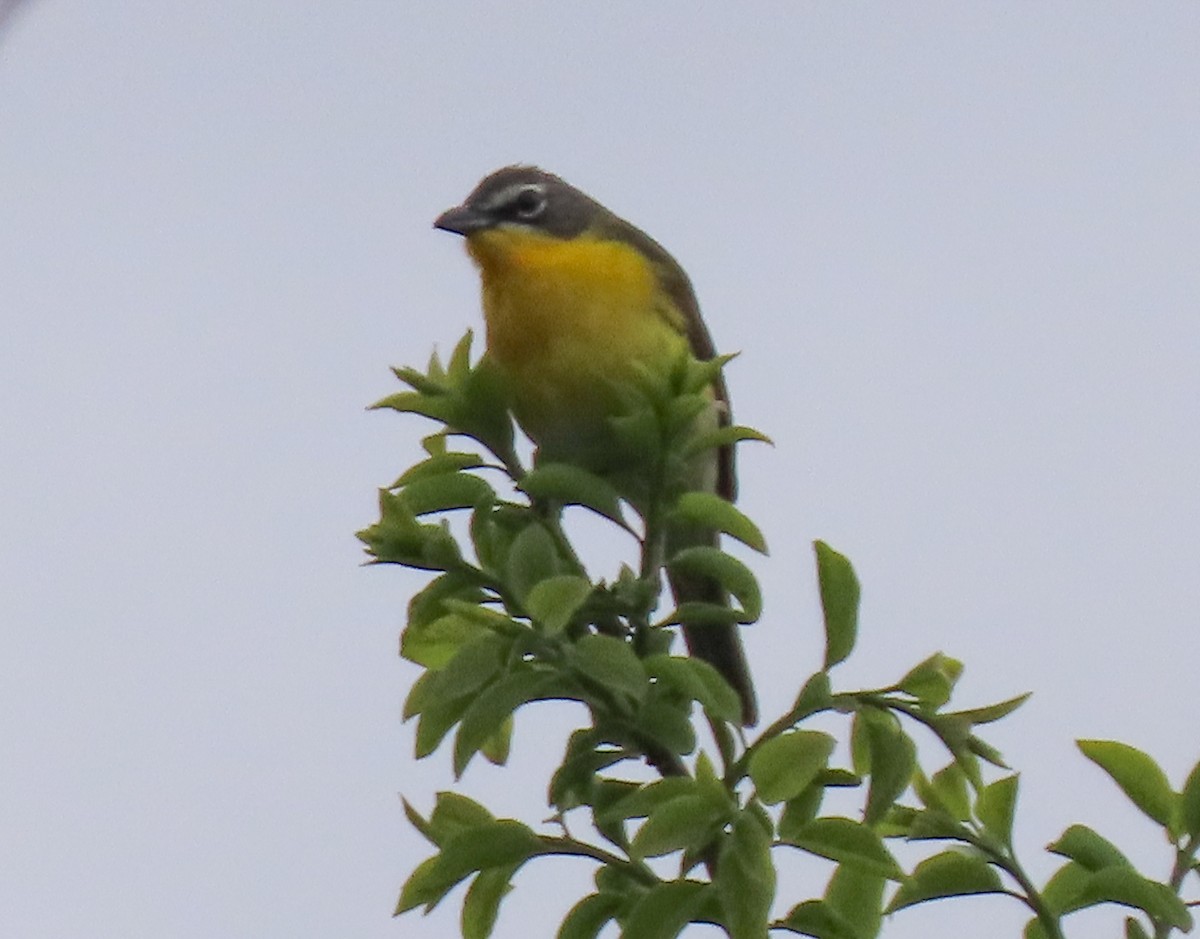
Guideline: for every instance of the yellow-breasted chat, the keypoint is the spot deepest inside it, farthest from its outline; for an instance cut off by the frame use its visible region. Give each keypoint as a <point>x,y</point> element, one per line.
<point>572,296</point>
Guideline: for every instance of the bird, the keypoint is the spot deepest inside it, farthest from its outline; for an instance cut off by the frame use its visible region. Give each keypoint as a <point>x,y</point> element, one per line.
<point>572,296</point>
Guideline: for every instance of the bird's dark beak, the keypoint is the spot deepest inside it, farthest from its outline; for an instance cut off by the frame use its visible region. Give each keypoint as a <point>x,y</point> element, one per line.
<point>462,220</point>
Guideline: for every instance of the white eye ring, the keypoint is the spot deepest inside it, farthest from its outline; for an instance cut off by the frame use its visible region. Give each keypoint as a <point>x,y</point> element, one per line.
<point>529,201</point>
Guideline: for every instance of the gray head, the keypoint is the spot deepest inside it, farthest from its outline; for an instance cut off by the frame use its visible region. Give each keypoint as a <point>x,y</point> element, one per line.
<point>526,197</point>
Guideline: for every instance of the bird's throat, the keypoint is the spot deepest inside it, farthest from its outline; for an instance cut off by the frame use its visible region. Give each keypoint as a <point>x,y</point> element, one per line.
<point>565,318</point>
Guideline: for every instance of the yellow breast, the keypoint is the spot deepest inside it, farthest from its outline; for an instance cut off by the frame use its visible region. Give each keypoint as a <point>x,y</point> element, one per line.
<point>564,320</point>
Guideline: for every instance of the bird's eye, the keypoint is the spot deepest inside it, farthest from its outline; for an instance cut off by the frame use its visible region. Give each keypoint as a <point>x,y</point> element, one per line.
<point>529,203</point>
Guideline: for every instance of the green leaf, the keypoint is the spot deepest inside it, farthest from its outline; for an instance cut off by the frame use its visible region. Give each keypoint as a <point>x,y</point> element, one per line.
<point>1189,803</point>
<point>782,767</point>
<point>611,664</point>
<point>856,895</point>
<point>503,843</point>
<point>436,643</point>
<point>460,358</point>
<point>589,916</point>
<point>637,433</point>
<point>839,600</point>
<point>437,717</point>
<point>493,530</point>
<point>664,910</point>
<point>620,881</point>
<point>687,822</point>
<point>1139,777</point>
<point>1127,887</point>
<point>724,436</point>
<point>426,886</point>
<point>644,799</point>
<point>1064,886</point>
<point>552,602</point>
<point>680,416</point>
<point>932,681</point>
<point>935,825</point>
<point>949,791</point>
<point>429,603</point>
<point>963,757</point>
<point>746,878</point>
<point>1034,930</point>
<point>860,741</point>
<point>847,842</point>
<point>436,444</point>
<point>572,485</point>
<point>985,751</point>
<point>995,807</point>
<point>665,719</point>
<point>817,918</point>
<point>710,785</point>
<point>575,782</point>
<point>496,748</point>
<point>419,823</point>
<point>898,822</point>
<point>1089,849</point>
<point>949,874</point>
<point>482,902</point>
<point>840,778</point>
<point>487,712</point>
<point>445,492</point>
<point>473,666</point>
<point>532,558</point>
<point>725,569</point>
<point>439,464</point>
<point>1134,929</point>
<point>816,695</point>
<point>432,384</point>
<point>801,810</point>
<point>954,732</point>
<point>711,512</point>
<point>442,697</point>
<point>893,757</point>
<point>454,813</point>
<point>697,680</point>
<point>700,374</point>
<point>430,401</point>
<point>437,875</point>
<point>490,619</point>
<point>603,793</point>
<point>482,411</point>
<point>699,613</point>
<point>992,712</point>
<point>398,538</point>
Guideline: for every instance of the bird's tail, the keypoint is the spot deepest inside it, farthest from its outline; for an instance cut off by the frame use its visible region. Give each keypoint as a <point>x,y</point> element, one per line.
<point>717,644</point>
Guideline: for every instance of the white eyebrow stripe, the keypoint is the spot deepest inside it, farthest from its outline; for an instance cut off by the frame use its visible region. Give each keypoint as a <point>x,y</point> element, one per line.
<point>509,194</point>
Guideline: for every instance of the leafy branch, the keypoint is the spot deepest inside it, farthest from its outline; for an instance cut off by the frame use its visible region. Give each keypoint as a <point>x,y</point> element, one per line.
<point>511,616</point>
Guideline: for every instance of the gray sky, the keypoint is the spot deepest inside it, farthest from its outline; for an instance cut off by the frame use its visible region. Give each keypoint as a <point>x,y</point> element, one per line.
<point>956,244</point>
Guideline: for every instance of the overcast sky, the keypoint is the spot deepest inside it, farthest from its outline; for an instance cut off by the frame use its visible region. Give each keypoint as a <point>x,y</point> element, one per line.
<point>955,243</point>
